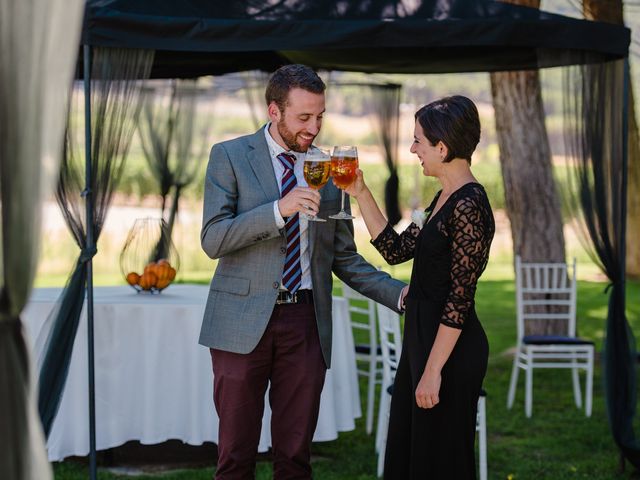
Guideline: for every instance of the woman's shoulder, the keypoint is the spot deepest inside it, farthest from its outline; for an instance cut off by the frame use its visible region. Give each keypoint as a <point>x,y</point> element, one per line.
<point>471,189</point>
<point>470,193</point>
<point>471,197</point>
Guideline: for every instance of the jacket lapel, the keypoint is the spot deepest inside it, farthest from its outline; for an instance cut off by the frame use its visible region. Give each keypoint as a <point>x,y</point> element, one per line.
<point>260,161</point>
<point>311,235</point>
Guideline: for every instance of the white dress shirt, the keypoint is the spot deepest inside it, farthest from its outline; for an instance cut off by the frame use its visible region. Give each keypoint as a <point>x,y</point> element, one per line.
<point>298,171</point>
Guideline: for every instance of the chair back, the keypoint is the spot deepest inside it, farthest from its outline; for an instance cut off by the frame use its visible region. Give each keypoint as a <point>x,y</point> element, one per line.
<point>545,291</point>
<point>390,342</point>
<point>368,311</point>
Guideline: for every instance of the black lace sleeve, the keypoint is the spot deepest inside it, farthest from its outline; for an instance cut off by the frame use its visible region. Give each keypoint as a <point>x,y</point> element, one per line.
<point>471,228</point>
<point>397,247</point>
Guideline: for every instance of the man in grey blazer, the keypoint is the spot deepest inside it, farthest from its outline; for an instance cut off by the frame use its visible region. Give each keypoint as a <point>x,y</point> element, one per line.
<point>268,315</point>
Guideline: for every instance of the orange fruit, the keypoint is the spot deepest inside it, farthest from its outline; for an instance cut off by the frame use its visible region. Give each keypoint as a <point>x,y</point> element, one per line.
<point>162,283</point>
<point>163,271</point>
<point>172,273</point>
<point>150,267</point>
<point>148,280</point>
<point>132,278</point>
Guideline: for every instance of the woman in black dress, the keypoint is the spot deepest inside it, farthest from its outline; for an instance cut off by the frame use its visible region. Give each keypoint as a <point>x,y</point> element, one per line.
<point>445,350</point>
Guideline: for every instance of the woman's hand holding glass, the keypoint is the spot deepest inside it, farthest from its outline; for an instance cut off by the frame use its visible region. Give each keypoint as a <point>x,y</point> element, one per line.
<point>373,217</point>
<point>358,186</point>
<point>344,163</point>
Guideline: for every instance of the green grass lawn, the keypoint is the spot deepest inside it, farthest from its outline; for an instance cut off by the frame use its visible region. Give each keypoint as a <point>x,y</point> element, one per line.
<point>558,442</point>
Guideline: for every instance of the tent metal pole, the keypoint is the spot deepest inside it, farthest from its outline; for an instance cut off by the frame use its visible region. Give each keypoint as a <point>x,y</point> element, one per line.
<point>90,244</point>
<point>624,183</point>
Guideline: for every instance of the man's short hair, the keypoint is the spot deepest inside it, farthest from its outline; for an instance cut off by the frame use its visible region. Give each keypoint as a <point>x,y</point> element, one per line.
<point>286,78</point>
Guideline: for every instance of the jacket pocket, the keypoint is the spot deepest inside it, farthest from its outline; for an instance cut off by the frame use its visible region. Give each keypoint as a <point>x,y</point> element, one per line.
<point>235,285</point>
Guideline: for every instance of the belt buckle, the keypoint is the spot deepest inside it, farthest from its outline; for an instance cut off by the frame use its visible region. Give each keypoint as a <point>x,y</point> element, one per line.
<point>289,298</point>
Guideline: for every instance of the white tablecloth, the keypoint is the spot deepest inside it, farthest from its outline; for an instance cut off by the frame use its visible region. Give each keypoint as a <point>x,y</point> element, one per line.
<point>154,382</point>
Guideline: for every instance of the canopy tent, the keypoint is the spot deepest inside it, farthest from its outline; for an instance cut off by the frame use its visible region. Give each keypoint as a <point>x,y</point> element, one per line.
<point>198,37</point>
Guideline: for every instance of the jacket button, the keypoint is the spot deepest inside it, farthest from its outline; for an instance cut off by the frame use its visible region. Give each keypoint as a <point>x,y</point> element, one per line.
<point>283,250</point>
<point>276,285</point>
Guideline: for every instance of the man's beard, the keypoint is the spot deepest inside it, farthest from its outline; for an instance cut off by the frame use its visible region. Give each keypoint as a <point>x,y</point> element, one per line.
<point>288,138</point>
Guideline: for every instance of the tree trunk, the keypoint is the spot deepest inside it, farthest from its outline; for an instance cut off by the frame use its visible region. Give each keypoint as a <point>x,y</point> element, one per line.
<point>531,197</point>
<point>532,201</point>
<point>611,11</point>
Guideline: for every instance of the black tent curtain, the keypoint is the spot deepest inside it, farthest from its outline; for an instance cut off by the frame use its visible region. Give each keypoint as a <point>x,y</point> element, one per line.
<point>115,104</point>
<point>386,98</point>
<point>255,83</point>
<point>595,128</point>
<point>168,131</point>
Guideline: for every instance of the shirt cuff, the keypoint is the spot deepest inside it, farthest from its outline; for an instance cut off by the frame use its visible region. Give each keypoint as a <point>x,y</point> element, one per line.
<point>400,307</point>
<point>278,217</point>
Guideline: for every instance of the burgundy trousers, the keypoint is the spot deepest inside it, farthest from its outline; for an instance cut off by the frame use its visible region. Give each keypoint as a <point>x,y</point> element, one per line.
<point>288,356</point>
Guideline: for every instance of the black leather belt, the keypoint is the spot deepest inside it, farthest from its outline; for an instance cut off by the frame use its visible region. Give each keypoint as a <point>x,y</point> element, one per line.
<point>287,298</point>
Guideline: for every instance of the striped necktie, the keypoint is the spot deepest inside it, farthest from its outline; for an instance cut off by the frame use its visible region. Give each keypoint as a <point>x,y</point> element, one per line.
<point>292,273</point>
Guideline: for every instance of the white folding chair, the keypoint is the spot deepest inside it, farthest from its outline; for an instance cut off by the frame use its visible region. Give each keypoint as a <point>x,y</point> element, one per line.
<point>369,352</point>
<point>547,291</point>
<point>391,347</point>
<point>481,428</point>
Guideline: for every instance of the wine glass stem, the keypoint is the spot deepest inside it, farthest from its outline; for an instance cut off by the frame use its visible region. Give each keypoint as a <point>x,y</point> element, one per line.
<point>342,208</point>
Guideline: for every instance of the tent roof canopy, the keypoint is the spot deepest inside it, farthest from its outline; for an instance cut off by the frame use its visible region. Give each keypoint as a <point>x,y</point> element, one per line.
<point>201,37</point>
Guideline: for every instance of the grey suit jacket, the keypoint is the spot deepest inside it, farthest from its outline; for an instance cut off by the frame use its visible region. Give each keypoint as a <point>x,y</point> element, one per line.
<point>239,229</point>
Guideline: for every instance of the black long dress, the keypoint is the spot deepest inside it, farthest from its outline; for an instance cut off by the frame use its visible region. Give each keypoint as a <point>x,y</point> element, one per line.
<point>449,253</point>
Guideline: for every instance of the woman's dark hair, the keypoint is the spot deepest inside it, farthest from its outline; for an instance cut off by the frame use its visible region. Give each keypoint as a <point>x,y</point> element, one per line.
<point>286,78</point>
<point>454,121</point>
